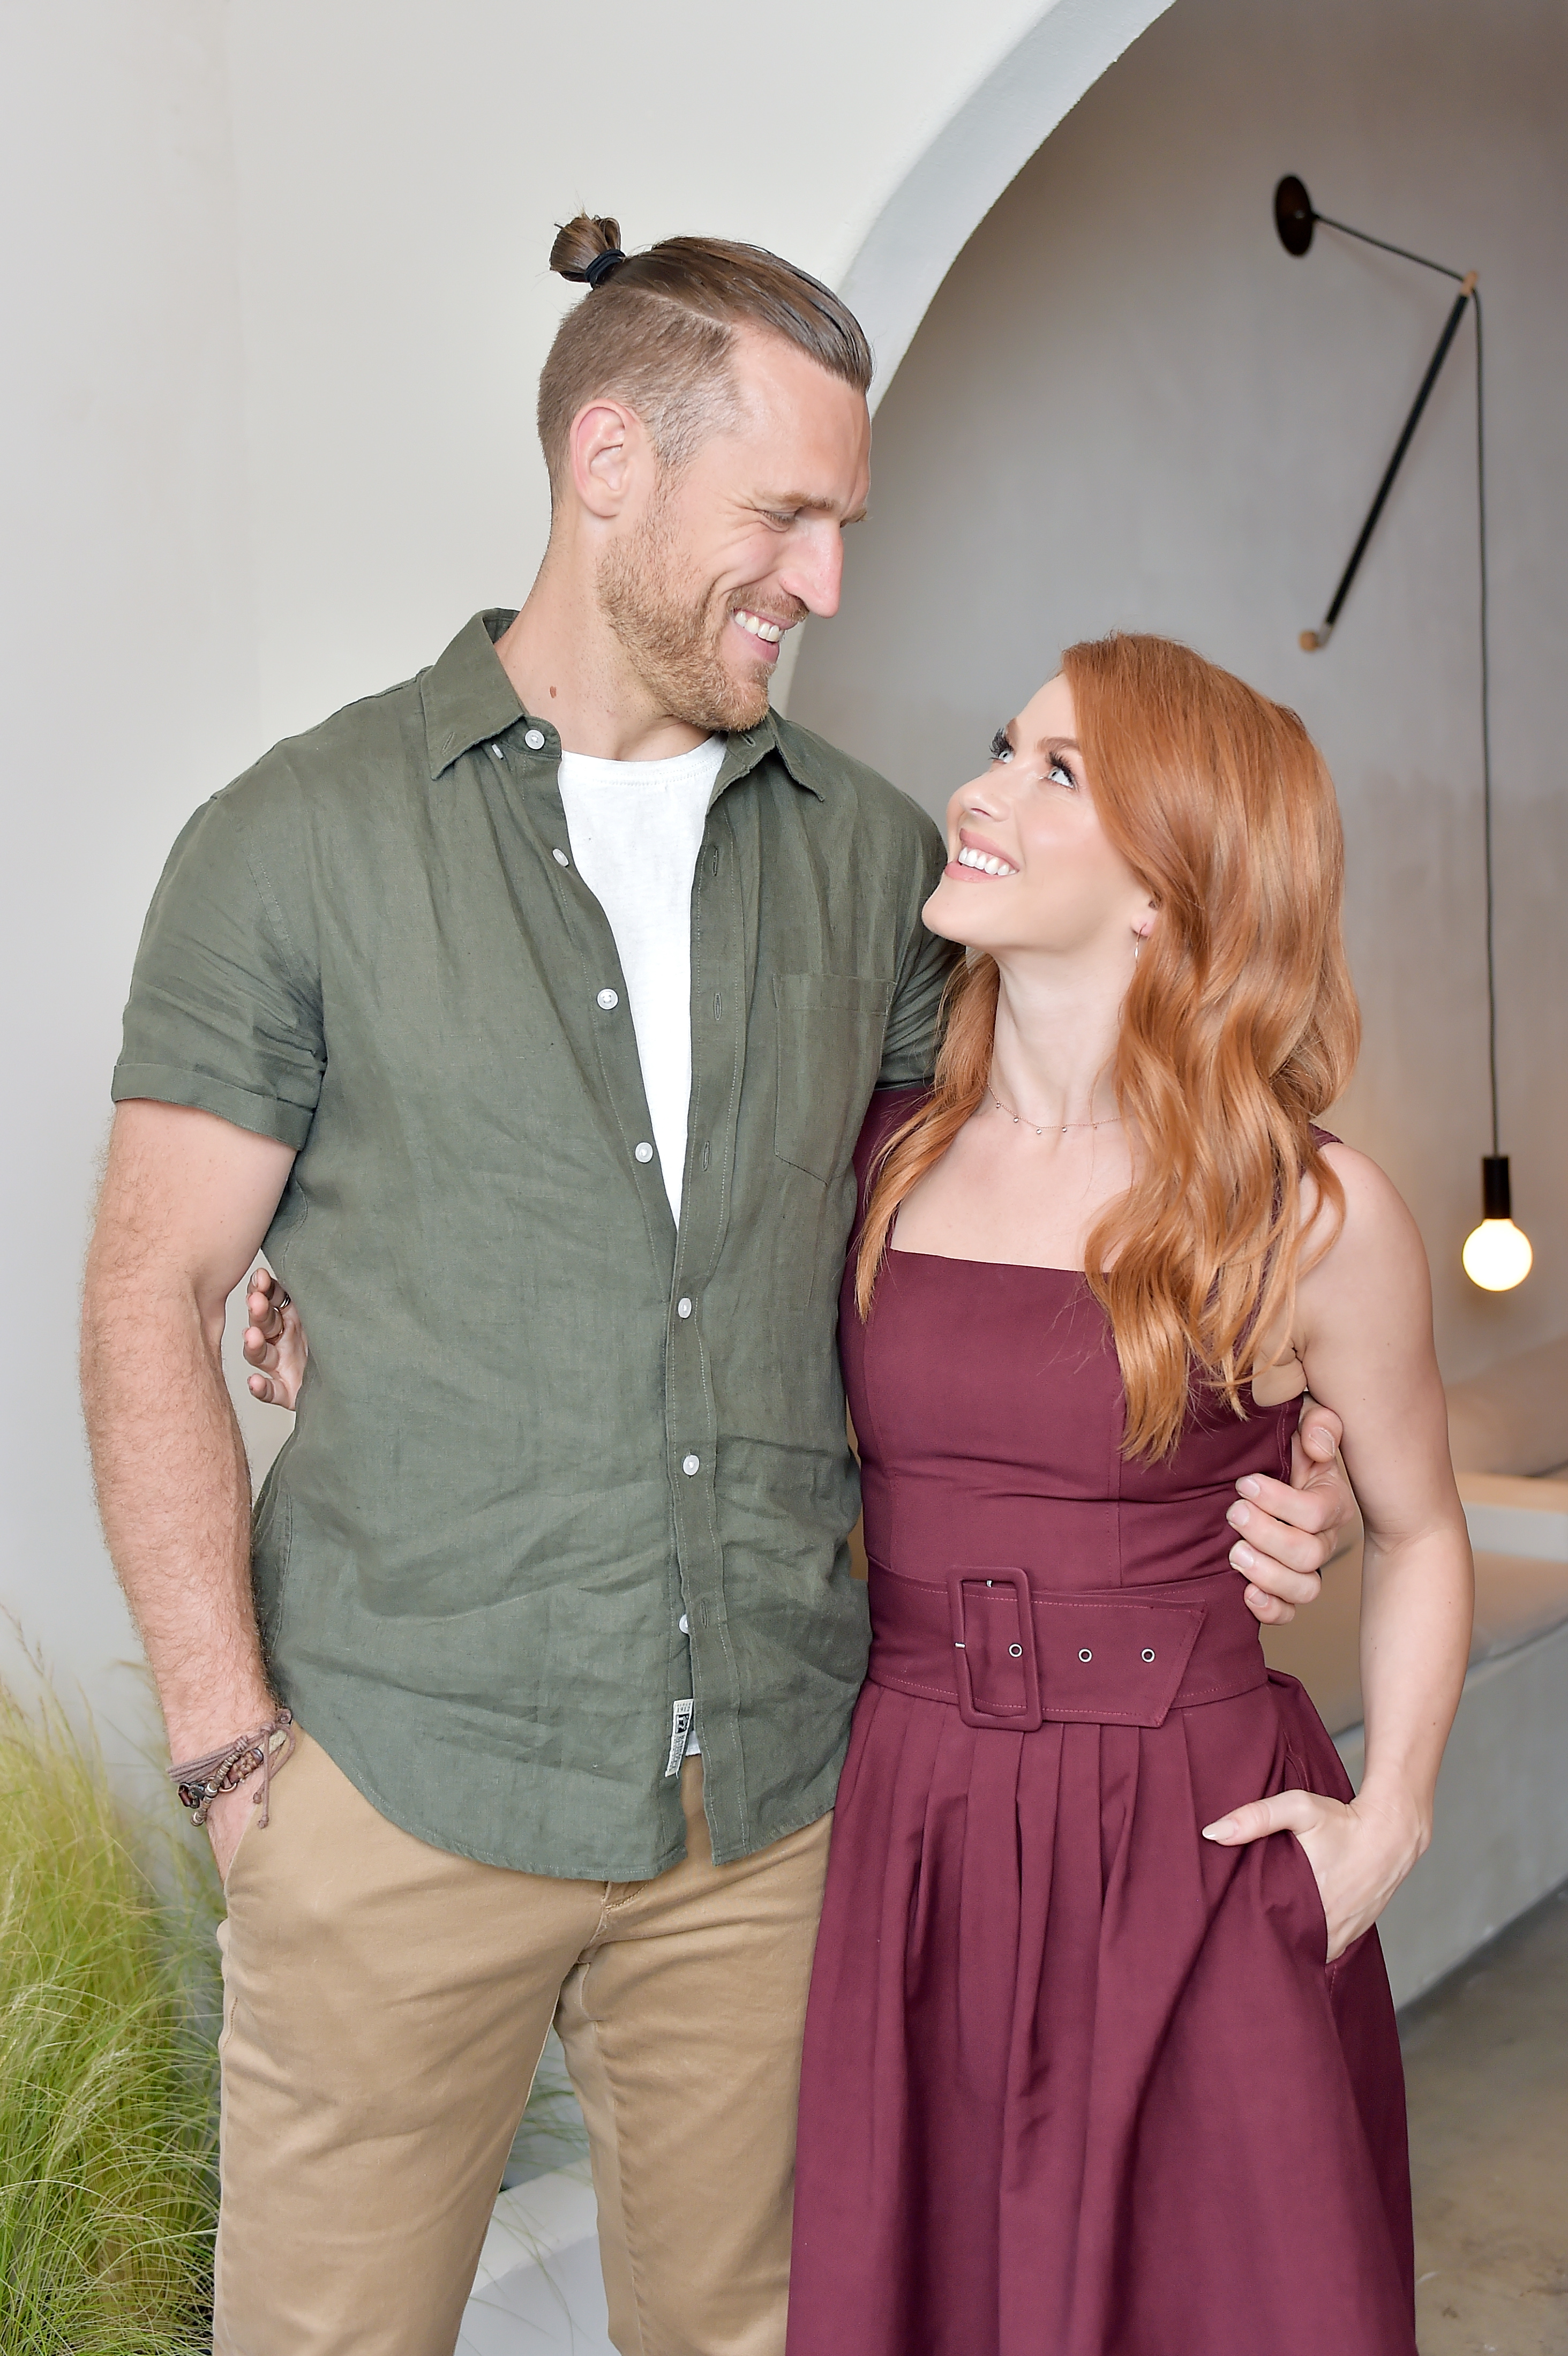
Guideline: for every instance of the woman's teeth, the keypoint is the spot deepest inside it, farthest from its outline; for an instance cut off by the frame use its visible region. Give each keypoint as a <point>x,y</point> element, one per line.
<point>984,863</point>
<point>771,631</point>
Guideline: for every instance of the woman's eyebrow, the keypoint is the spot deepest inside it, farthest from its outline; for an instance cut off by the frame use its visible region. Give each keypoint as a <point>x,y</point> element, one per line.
<point>1059,744</point>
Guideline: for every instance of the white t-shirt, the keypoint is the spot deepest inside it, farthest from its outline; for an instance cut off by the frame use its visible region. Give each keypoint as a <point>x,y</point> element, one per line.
<point>636,829</point>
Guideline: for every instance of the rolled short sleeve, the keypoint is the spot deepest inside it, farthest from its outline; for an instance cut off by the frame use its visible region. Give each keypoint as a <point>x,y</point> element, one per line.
<point>225,1007</point>
<point>909,1048</point>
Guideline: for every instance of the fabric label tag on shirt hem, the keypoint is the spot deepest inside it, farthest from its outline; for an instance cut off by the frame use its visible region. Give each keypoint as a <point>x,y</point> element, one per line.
<point>680,1728</point>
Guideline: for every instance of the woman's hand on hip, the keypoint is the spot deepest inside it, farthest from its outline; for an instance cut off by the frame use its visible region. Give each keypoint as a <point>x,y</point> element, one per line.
<point>1360,1851</point>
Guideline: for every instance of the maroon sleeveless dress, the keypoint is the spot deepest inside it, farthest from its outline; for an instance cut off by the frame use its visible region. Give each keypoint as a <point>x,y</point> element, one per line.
<point>1076,2082</point>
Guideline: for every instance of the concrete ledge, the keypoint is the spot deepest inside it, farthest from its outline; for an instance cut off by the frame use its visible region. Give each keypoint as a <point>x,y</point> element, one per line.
<point>538,2285</point>
<point>1511,1514</point>
<point>1501,1838</point>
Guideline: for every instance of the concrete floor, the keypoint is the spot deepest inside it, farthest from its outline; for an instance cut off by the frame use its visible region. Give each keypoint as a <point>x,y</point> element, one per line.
<point>1487,2068</point>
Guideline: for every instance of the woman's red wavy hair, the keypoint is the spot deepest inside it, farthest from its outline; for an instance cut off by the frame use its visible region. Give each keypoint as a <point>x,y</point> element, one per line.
<point>1240,1025</point>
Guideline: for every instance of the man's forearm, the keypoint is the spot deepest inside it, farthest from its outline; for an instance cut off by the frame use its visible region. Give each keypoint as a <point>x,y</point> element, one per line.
<point>175,1495</point>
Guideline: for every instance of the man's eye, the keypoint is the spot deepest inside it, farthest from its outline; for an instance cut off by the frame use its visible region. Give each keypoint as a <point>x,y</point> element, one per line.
<point>1001,750</point>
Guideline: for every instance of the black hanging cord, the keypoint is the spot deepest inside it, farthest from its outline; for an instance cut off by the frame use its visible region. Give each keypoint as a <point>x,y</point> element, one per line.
<point>1486,721</point>
<point>1443,271</point>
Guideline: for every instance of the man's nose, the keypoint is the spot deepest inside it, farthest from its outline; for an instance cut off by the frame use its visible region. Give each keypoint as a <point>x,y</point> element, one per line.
<point>814,573</point>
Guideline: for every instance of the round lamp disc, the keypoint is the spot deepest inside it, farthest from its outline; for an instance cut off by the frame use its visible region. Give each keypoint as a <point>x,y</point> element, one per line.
<point>1294,216</point>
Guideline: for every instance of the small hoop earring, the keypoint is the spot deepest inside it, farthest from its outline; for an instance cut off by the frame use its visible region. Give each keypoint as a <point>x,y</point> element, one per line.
<point>1137,945</point>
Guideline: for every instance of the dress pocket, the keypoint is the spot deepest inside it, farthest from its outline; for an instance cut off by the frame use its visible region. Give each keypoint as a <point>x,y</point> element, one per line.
<point>831,1028</point>
<point>1315,1920</point>
<point>1311,1913</point>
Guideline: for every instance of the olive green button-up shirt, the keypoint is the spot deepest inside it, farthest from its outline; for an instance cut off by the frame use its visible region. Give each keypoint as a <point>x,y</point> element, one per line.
<point>558,1464</point>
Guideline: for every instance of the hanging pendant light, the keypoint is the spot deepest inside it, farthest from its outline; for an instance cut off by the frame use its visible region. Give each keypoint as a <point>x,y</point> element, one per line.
<point>1497,1254</point>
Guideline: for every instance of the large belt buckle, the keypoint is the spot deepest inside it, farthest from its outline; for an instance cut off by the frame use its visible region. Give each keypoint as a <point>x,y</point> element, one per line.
<point>1030,1718</point>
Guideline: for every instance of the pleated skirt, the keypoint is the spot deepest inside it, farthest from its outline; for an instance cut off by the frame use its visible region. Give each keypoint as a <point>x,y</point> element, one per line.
<point>1076,2082</point>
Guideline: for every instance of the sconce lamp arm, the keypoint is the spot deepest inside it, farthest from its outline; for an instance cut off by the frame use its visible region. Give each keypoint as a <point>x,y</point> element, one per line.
<point>1384,246</point>
<point>1320,636</point>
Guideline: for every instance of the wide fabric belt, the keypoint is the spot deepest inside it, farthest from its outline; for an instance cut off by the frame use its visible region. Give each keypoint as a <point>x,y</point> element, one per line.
<point>1011,1657</point>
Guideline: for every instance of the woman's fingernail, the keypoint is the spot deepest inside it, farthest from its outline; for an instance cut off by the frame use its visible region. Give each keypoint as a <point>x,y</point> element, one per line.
<point>1248,1487</point>
<point>1221,1831</point>
<point>1238,1517</point>
<point>1242,1557</point>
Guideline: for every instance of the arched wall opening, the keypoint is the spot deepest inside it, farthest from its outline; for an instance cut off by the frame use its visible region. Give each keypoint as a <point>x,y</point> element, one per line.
<point>1126,406</point>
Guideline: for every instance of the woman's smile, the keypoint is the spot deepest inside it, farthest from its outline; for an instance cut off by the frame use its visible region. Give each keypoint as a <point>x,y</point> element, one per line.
<point>978,857</point>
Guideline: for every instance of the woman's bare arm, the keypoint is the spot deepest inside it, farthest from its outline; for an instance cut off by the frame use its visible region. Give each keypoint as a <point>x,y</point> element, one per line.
<point>1364,1335</point>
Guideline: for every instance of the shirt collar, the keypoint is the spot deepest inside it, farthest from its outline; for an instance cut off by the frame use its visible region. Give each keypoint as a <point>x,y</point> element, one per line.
<point>796,748</point>
<point>465,693</point>
<point>468,698</point>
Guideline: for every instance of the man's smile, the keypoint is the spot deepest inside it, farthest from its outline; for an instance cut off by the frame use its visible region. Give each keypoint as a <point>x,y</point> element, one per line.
<point>758,626</point>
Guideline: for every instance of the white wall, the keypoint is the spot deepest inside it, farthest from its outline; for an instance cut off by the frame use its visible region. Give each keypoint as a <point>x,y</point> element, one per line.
<point>127,639</point>
<point>1128,406</point>
<point>277,303</point>
<point>400,170</point>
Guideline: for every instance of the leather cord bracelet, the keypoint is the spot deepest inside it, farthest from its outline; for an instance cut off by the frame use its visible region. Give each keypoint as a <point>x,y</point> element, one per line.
<point>199,1782</point>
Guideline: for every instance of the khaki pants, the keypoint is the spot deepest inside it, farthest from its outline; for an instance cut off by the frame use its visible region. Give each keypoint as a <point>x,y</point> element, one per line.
<point>385,2007</point>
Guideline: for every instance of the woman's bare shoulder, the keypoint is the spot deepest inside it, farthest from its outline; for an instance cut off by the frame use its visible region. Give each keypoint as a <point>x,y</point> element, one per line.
<point>1375,1231</point>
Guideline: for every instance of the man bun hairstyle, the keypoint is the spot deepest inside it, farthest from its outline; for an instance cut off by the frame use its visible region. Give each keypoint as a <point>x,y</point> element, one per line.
<point>657,330</point>
<point>587,249</point>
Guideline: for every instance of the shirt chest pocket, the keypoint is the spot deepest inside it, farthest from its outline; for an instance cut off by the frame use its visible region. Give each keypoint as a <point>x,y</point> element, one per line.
<point>831,1028</point>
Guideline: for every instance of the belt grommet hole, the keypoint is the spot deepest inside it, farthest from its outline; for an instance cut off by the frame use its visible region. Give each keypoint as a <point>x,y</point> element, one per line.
<point>1148,1654</point>
<point>1086,1654</point>
<point>1017,1651</point>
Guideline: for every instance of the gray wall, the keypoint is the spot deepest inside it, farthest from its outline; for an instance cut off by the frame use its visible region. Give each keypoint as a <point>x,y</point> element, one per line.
<point>1127,406</point>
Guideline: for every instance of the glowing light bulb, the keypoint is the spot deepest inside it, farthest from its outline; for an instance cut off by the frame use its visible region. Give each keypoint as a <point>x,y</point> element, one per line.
<point>1497,1254</point>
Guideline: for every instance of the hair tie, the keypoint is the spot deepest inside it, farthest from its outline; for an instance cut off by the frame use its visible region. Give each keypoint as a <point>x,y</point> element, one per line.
<point>599,269</point>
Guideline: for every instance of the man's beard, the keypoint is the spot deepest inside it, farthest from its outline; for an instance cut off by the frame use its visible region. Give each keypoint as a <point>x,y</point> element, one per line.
<point>673,639</point>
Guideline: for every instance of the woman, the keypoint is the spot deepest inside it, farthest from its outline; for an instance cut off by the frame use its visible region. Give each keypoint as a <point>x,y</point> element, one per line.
<point>1101,2055</point>
<point>1101,2058</point>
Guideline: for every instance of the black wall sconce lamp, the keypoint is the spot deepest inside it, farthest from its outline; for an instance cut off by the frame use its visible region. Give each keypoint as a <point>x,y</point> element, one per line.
<point>1496,1253</point>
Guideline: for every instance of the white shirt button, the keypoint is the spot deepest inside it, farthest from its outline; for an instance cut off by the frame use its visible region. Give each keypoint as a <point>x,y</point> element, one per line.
<point>497,751</point>
<point>691,1463</point>
<point>683,1306</point>
<point>561,859</point>
<point>608,998</point>
<point>642,1153</point>
<point>534,739</point>
<point>685,1631</point>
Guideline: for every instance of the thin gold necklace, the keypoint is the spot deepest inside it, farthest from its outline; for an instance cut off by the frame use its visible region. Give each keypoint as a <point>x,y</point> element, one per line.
<point>1113,1121</point>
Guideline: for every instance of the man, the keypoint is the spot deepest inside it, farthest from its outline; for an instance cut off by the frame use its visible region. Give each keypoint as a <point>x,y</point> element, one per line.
<point>528,1013</point>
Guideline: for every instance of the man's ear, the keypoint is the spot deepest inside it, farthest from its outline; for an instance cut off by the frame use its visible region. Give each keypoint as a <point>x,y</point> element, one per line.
<point>608,450</point>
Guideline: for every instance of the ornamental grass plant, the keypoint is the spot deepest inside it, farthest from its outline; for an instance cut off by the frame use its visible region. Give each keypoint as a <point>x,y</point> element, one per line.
<point>108,2075</point>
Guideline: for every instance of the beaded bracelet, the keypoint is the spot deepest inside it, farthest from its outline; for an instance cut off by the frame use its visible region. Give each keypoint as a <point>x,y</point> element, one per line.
<point>199,1782</point>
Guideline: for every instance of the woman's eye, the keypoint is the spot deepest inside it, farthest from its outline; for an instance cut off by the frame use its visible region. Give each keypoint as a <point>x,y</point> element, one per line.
<point>1001,750</point>
<point>1062,774</point>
